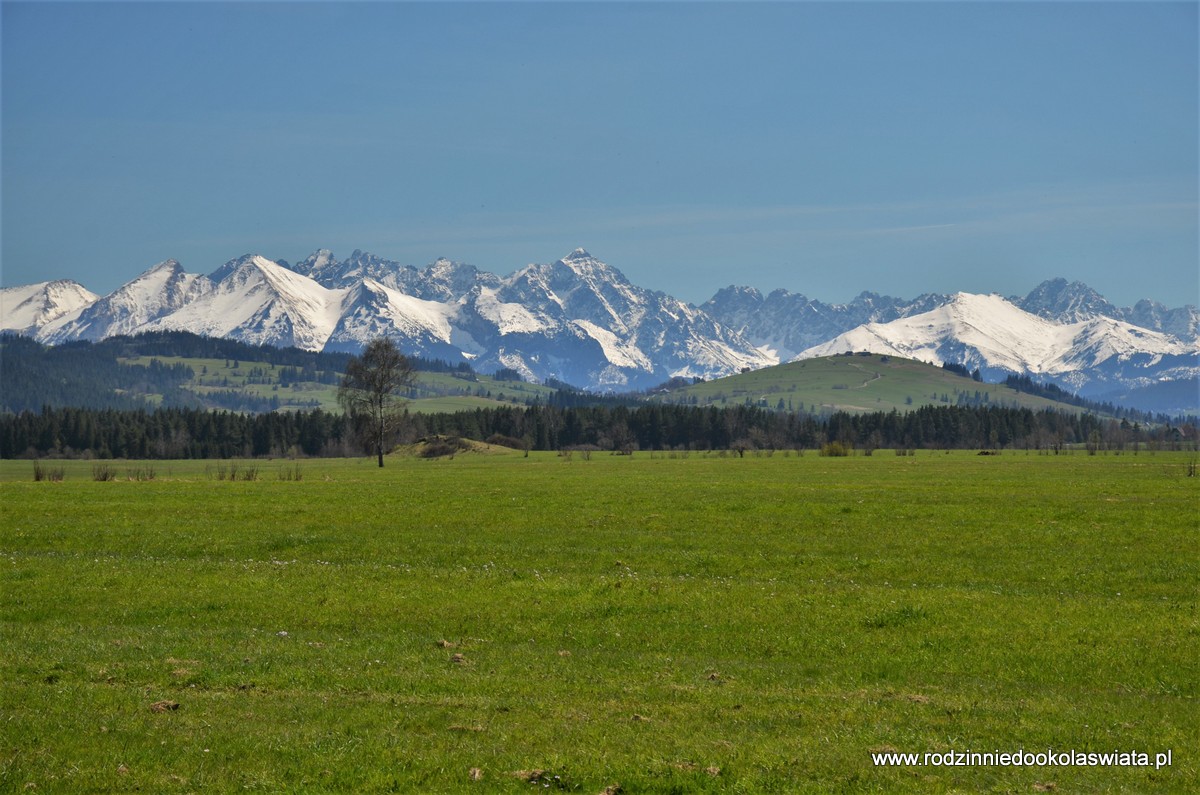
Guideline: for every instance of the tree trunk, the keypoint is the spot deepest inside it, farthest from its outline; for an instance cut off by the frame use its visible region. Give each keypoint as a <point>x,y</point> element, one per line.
<point>379,419</point>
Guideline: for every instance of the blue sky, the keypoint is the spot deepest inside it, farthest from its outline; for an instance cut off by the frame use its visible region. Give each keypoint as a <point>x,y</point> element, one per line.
<point>823,148</point>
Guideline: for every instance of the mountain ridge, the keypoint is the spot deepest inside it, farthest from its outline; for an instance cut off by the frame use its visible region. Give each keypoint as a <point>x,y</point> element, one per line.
<point>580,320</point>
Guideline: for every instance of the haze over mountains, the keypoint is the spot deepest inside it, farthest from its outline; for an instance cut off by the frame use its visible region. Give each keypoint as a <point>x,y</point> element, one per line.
<point>580,320</point>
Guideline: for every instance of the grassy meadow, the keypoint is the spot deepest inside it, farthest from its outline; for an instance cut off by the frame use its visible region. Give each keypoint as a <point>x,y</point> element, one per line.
<point>433,392</point>
<point>645,623</point>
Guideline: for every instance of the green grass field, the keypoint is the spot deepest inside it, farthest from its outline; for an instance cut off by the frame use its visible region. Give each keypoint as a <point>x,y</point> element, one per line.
<point>853,383</point>
<point>653,623</point>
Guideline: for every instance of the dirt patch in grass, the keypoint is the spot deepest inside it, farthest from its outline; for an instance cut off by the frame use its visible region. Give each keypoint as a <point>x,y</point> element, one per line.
<point>450,446</point>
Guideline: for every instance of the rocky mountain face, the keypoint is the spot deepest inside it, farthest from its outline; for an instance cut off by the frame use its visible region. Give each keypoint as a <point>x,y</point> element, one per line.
<point>580,320</point>
<point>1069,303</point>
<point>786,323</point>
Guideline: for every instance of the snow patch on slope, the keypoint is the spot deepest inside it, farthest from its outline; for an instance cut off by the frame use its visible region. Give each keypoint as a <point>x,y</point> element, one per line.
<point>622,353</point>
<point>509,318</point>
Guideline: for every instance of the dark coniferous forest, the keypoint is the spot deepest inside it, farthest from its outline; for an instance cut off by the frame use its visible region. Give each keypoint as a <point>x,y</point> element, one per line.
<point>198,433</point>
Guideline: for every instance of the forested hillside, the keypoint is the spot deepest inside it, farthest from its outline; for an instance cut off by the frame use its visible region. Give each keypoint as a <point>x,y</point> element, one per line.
<point>182,370</point>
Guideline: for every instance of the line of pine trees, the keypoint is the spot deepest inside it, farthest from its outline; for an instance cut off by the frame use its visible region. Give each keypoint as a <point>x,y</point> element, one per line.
<point>194,433</point>
<point>173,433</point>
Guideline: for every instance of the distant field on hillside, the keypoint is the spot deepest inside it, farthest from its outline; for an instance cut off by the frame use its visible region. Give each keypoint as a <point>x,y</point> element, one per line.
<point>855,383</point>
<point>434,391</point>
<point>838,383</point>
<point>664,622</point>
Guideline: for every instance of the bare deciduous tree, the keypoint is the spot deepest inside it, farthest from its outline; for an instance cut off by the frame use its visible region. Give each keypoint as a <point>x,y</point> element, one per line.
<point>370,391</point>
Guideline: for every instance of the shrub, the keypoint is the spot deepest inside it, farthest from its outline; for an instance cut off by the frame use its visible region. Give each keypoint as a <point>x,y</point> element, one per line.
<point>42,472</point>
<point>835,450</point>
<point>103,472</point>
<point>292,472</point>
<point>140,473</point>
<point>231,471</point>
<point>439,446</point>
<point>585,451</point>
<point>500,440</point>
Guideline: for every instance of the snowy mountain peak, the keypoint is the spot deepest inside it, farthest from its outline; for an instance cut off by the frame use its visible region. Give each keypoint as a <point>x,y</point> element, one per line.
<point>1071,302</point>
<point>28,308</point>
<point>232,266</point>
<point>153,294</point>
<point>251,267</point>
<point>582,265</point>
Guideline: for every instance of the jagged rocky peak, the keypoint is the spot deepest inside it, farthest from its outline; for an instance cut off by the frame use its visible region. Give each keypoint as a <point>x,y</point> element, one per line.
<point>166,265</point>
<point>740,293</point>
<point>731,304</point>
<point>444,268</point>
<point>1066,301</point>
<point>320,260</point>
<point>877,303</point>
<point>582,264</point>
<point>576,277</point>
<point>237,264</point>
<point>169,281</point>
<point>456,279</point>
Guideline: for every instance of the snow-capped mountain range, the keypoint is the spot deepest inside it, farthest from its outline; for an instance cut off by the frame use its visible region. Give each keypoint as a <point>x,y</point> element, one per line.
<point>989,333</point>
<point>580,320</point>
<point>576,319</point>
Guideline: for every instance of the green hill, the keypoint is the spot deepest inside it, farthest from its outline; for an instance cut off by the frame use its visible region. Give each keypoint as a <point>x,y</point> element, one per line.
<point>857,383</point>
